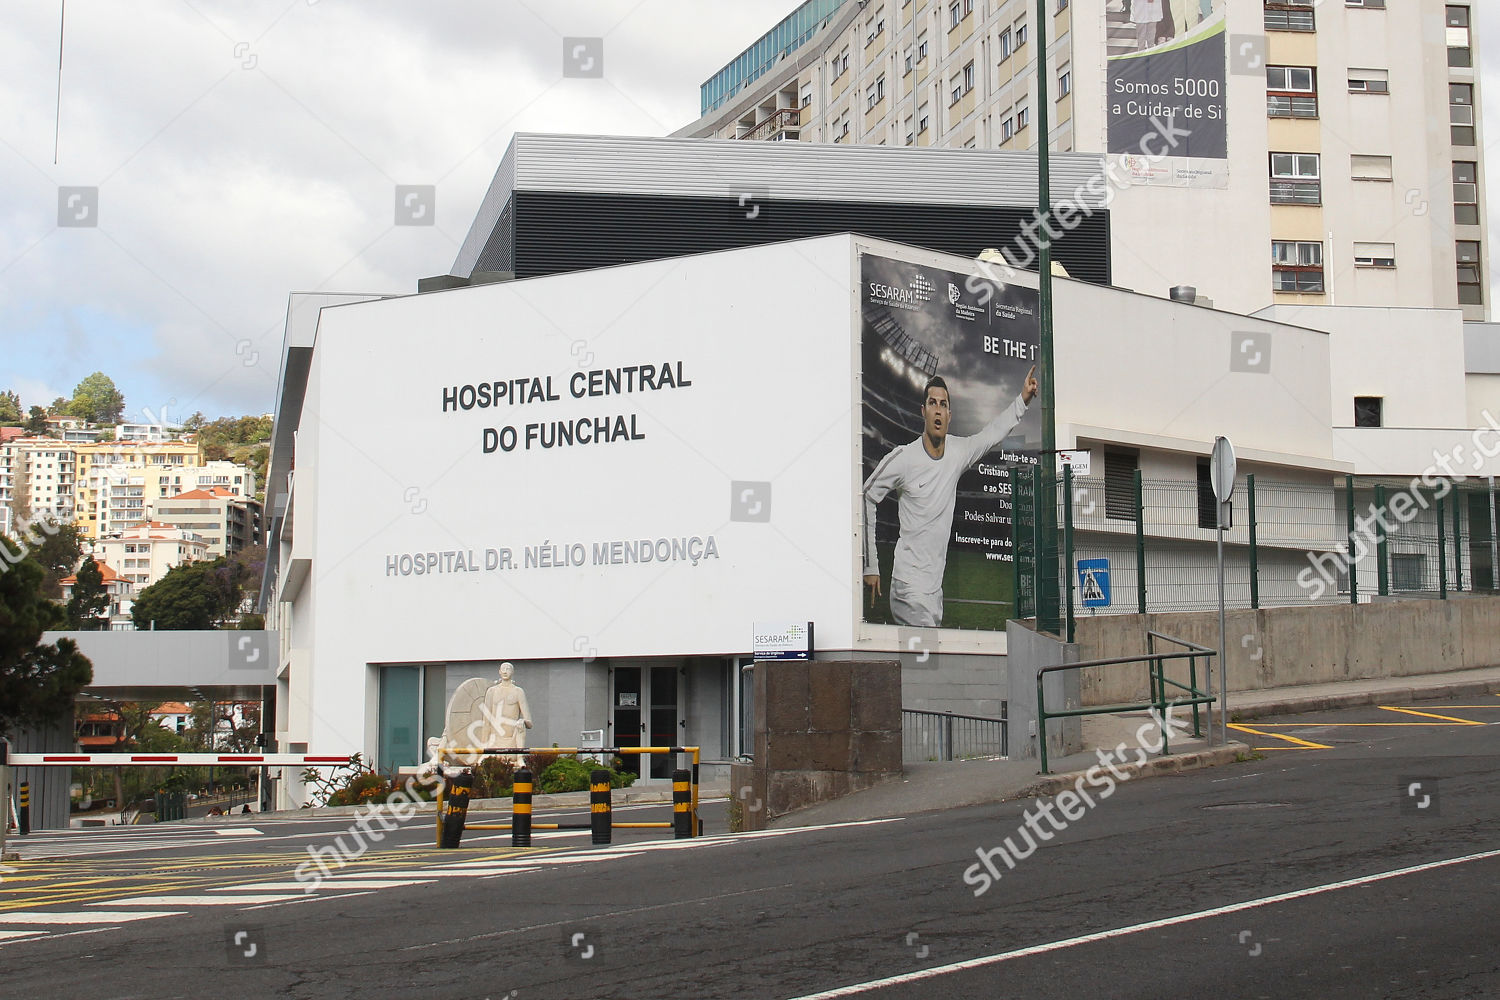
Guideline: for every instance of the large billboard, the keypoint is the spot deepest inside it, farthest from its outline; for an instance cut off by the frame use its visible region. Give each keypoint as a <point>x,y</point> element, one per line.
<point>631,461</point>
<point>1166,91</point>
<point>944,359</point>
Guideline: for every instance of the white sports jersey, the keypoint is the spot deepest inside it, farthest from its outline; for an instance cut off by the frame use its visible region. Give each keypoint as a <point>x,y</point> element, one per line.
<point>927,490</point>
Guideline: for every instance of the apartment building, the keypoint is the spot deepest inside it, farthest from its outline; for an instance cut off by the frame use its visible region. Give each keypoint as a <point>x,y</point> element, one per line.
<point>117,479</point>
<point>227,521</point>
<point>143,554</point>
<point>38,478</point>
<point>1333,154</point>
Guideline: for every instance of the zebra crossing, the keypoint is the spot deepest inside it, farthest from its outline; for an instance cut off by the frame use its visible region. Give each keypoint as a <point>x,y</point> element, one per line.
<point>52,844</point>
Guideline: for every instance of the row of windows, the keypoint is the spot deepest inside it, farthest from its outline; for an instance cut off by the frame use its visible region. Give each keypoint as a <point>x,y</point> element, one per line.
<point>1297,266</point>
<point>1296,179</point>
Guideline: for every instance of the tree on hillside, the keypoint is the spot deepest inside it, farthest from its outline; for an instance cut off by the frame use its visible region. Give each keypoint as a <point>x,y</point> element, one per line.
<point>38,682</point>
<point>88,608</point>
<point>197,595</point>
<point>36,420</point>
<point>58,554</point>
<point>10,408</point>
<point>59,408</point>
<point>97,400</point>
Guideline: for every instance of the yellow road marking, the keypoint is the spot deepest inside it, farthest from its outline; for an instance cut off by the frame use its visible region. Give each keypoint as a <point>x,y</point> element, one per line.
<point>1351,725</point>
<point>1430,715</point>
<point>1308,744</point>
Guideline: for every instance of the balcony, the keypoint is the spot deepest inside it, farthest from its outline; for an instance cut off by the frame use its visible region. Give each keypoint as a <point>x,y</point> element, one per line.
<point>1284,105</point>
<point>776,125</point>
<point>1285,191</point>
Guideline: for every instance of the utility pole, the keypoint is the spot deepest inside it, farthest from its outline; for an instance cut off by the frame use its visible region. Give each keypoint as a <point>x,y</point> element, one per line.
<point>1049,604</point>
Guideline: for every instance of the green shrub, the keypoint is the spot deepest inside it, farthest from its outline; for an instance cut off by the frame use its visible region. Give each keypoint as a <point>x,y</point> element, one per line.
<point>566,774</point>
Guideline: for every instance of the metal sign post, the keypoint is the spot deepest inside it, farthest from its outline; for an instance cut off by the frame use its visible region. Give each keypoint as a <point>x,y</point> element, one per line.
<point>1221,476</point>
<point>4,793</point>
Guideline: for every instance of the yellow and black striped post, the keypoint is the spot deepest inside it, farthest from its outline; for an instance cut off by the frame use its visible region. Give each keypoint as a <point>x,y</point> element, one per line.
<point>682,805</point>
<point>600,814</point>
<point>23,819</point>
<point>520,809</point>
<point>456,808</point>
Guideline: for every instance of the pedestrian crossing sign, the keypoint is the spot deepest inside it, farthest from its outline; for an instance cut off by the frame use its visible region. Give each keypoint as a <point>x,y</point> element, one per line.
<point>1093,582</point>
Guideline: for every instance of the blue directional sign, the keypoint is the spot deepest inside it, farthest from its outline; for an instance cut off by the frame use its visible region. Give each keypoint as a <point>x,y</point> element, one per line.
<point>1093,582</point>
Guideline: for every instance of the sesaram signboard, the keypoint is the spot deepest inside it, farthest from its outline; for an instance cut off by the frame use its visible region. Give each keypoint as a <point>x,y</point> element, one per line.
<point>783,641</point>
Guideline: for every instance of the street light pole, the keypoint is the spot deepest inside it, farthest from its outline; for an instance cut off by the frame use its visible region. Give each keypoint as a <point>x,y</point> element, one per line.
<point>1049,606</point>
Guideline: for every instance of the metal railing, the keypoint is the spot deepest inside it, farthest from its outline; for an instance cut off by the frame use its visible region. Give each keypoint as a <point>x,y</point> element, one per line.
<point>1160,682</point>
<point>947,737</point>
<point>778,121</point>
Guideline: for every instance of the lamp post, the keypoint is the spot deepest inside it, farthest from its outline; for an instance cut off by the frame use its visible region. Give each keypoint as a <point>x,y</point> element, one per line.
<point>1049,606</point>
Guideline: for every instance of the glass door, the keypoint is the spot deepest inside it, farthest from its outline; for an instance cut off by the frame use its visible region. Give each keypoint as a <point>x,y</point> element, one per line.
<point>645,713</point>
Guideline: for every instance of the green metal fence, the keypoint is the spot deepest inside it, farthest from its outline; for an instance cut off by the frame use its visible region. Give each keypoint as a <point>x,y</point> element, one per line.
<point>1290,543</point>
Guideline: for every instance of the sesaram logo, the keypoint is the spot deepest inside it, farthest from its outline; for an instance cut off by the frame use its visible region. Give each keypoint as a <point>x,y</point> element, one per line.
<point>909,296</point>
<point>953,295</point>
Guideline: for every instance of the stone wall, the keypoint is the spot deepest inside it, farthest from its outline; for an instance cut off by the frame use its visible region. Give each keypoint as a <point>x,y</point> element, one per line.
<point>823,729</point>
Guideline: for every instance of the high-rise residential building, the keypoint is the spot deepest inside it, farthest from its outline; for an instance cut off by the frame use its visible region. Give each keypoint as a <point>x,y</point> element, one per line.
<point>1287,152</point>
<point>227,521</point>
<point>38,478</point>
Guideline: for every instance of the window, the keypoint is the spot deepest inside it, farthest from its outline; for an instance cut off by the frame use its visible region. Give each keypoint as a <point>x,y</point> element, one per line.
<point>1459,53</point>
<point>1064,84</point>
<point>1470,289</point>
<point>806,100</point>
<point>871,97</point>
<point>1291,92</point>
<point>953,15</point>
<point>908,61</point>
<point>874,27</point>
<point>1020,35</point>
<point>1208,504</point>
<point>1364,167</point>
<point>1408,571</point>
<point>1023,118</point>
<point>1062,5</point>
<point>1466,193</point>
<point>922,119</point>
<point>1372,4</point>
<point>1369,81</point>
<point>968,7</point>
<point>910,134</point>
<point>922,47</point>
<point>1119,484</point>
<point>1296,266</point>
<point>1367,410</point>
<point>1289,15</point>
<point>1374,255</point>
<point>1007,129</point>
<point>1295,179</point>
<point>1005,45</point>
<point>969,76</point>
<point>958,88</point>
<point>1461,113</point>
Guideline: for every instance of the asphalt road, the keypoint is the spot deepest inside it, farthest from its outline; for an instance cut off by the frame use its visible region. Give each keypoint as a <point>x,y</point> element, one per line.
<point>1365,864</point>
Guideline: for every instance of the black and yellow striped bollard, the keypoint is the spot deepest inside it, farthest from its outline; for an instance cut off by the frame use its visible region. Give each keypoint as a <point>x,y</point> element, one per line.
<point>601,816</point>
<point>520,809</point>
<point>456,808</point>
<point>23,817</point>
<point>682,805</point>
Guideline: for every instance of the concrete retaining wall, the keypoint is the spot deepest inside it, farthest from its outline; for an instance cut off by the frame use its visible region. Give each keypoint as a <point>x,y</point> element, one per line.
<point>1285,647</point>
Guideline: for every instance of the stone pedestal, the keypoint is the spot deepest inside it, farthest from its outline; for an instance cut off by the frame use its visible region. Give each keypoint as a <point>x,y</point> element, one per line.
<point>822,730</point>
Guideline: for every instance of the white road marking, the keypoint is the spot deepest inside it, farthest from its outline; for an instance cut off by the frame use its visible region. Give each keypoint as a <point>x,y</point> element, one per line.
<point>327,883</point>
<point>87,917</point>
<point>6,935</point>
<point>242,900</point>
<point>240,831</point>
<point>1073,942</point>
<point>308,898</point>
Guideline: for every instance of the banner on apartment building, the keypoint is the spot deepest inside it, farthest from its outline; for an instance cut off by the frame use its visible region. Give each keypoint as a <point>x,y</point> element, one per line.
<point>937,540</point>
<point>1166,91</point>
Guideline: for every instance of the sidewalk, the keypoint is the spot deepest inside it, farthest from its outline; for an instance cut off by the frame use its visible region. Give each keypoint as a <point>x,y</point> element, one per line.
<point>929,786</point>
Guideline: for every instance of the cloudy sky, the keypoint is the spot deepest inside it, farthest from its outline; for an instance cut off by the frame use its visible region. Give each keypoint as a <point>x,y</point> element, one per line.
<point>243,150</point>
